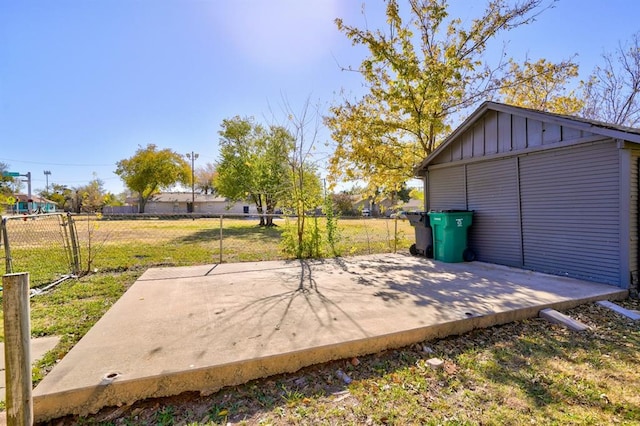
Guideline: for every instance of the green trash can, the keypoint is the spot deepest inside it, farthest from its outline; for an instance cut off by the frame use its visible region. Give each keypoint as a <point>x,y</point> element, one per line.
<point>450,229</point>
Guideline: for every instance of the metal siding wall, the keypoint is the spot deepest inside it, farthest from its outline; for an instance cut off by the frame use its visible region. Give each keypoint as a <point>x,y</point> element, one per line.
<point>478,139</point>
<point>491,132</point>
<point>467,144</point>
<point>447,189</point>
<point>534,133</point>
<point>503,133</point>
<point>551,133</point>
<point>633,219</point>
<point>492,193</point>
<point>570,220</point>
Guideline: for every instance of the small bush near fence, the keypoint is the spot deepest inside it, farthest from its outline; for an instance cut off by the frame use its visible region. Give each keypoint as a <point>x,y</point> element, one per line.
<point>127,242</point>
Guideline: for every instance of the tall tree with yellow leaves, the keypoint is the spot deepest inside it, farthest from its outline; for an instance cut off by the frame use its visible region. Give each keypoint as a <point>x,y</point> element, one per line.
<point>426,68</point>
<point>542,85</point>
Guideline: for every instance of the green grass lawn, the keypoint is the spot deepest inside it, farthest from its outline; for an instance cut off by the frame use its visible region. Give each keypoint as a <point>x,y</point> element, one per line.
<point>124,245</point>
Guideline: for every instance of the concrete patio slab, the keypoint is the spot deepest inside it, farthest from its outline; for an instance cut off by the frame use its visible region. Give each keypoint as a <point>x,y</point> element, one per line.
<point>202,328</point>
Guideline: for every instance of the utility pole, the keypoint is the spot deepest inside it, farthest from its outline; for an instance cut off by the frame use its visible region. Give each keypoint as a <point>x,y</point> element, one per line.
<point>29,198</point>
<point>47,173</point>
<point>193,156</point>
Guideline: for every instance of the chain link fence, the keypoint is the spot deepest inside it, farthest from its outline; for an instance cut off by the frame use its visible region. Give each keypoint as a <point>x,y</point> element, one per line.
<point>52,245</point>
<point>44,245</point>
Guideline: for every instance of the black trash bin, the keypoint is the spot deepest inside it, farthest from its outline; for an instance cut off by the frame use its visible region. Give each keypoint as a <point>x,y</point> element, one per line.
<point>424,237</point>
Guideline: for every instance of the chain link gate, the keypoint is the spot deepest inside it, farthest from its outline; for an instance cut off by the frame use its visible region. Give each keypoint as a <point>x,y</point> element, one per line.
<point>45,245</point>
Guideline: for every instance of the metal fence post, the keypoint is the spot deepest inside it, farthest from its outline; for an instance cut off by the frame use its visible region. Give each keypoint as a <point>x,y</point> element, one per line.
<point>75,248</point>
<point>17,348</point>
<point>221,219</point>
<point>395,235</point>
<point>7,248</point>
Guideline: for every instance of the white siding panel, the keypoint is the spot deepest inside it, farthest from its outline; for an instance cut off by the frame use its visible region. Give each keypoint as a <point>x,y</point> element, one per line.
<point>569,203</point>
<point>492,192</point>
<point>447,189</point>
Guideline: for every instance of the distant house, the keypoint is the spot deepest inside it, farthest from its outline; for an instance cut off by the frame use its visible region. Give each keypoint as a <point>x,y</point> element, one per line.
<point>386,206</point>
<point>413,205</point>
<point>37,204</point>
<point>181,202</point>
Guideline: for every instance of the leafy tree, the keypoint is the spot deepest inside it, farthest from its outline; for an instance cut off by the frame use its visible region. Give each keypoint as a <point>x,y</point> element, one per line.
<point>151,170</point>
<point>111,199</point>
<point>90,198</point>
<point>205,177</point>
<point>343,203</point>
<point>253,164</point>
<point>306,187</point>
<point>6,201</point>
<point>541,85</point>
<point>418,74</point>
<point>237,155</point>
<point>9,185</point>
<point>5,181</point>
<point>403,194</point>
<point>303,198</point>
<point>272,174</point>
<point>612,93</point>
<point>305,191</point>
<point>416,194</point>
<point>61,195</point>
<point>6,192</point>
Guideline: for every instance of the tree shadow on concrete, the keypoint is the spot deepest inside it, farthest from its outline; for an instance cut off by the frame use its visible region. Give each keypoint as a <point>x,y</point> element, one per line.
<point>308,289</point>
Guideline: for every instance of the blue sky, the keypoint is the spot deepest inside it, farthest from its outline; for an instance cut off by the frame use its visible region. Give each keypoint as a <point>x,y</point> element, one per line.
<point>83,83</point>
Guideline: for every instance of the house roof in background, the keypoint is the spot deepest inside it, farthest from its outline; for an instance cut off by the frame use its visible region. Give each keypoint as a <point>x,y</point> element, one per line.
<point>413,204</point>
<point>186,197</point>
<point>23,198</point>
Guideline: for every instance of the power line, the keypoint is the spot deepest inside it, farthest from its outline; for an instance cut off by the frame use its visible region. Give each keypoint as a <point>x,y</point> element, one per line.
<point>58,164</point>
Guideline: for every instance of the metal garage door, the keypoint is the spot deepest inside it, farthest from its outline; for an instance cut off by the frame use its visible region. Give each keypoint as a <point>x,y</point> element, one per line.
<point>492,193</point>
<point>570,202</point>
<point>634,219</point>
<point>446,189</point>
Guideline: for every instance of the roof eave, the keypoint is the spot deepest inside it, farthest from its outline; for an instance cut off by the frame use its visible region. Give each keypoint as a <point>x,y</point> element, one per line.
<point>576,123</point>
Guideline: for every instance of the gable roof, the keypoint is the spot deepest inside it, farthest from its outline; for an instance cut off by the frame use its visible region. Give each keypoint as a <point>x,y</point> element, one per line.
<point>592,126</point>
<point>23,198</point>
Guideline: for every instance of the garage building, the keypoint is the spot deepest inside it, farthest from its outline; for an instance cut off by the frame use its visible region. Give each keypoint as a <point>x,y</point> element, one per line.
<point>550,193</point>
